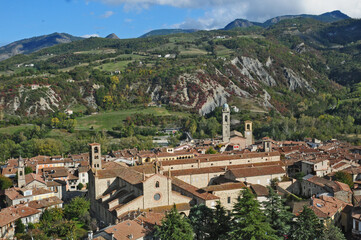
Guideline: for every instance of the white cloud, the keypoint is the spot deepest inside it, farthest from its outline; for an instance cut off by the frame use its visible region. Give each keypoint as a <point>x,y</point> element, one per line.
<point>107,14</point>
<point>217,13</point>
<point>90,35</point>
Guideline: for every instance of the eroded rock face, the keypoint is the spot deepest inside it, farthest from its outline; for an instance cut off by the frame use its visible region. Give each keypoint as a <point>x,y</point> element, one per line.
<point>295,81</point>
<point>257,68</point>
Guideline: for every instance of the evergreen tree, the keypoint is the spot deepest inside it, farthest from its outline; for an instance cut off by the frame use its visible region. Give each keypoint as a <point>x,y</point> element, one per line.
<point>249,222</point>
<point>333,233</point>
<point>19,226</point>
<point>200,218</point>
<point>220,226</point>
<point>175,227</point>
<point>277,213</point>
<point>307,226</point>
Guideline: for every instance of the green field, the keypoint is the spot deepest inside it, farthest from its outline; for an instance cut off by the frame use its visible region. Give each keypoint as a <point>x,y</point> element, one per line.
<point>108,120</point>
<point>13,129</point>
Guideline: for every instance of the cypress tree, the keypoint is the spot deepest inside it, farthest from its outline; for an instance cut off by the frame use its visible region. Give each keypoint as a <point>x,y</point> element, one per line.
<point>175,227</point>
<point>277,213</point>
<point>249,222</point>
<point>220,226</point>
<point>307,226</point>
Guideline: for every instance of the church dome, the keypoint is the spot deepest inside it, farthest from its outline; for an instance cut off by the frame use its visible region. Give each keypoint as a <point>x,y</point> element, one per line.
<point>225,106</point>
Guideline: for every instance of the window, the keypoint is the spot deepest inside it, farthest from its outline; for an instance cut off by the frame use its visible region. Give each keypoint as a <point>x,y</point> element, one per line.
<point>157,184</point>
<point>96,150</point>
<point>228,199</point>
<point>156,196</point>
<point>108,183</point>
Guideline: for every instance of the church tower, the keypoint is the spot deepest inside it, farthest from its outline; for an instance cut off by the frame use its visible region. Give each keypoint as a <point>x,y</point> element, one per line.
<point>95,156</point>
<point>248,133</point>
<point>226,123</point>
<point>267,145</point>
<point>21,173</point>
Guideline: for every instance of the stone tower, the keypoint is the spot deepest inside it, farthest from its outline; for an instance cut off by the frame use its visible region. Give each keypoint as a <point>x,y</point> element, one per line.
<point>21,173</point>
<point>95,156</point>
<point>248,133</point>
<point>267,145</point>
<point>226,123</point>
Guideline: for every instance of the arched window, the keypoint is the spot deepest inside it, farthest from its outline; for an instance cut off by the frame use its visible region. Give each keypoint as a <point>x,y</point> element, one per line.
<point>226,118</point>
<point>96,150</point>
<point>157,184</point>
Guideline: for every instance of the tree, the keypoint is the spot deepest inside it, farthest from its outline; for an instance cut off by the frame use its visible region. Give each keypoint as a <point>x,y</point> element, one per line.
<point>76,208</point>
<point>200,218</point>
<point>5,182</point>
<point>19,226</point>
<point>211,150</point>
<point>220,227</point>
<point>277,213</point>
<point>307,226</point>
<point>332,232</point>
<point>344,177</point>
<point>28,170</point>
<point>175,227</point>
<point>80,186</point>
<point>249,223</point>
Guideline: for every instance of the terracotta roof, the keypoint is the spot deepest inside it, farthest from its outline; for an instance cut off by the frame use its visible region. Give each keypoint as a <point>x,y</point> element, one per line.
<point>44,203</point>
<point>336,186</point>
<point>224,187</point>
<point>328,206</point>
<point>56,172</point>
<point>11,214</point>
<point>17,193</point>
<point>129,229</point>
<point>259,190</point>
<point>7,217</point>
<point>33,177</point>
<point>83,169</point>
<point>256,171</point>
<point>127,174</point>
<point>193,190</point>
<point>219,157</point>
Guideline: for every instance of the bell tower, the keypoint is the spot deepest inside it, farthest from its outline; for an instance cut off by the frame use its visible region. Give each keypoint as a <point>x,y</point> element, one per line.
<point>248,133</point>
<point>226,123</point>
<point>267,145</point>
<point>21,173</point>
<point>95,156</point>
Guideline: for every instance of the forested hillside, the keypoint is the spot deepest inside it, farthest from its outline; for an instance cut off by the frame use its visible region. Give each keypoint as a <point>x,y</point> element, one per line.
<point>297,78</point>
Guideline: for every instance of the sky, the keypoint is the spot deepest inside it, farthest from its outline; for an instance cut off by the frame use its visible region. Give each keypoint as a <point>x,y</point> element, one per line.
<point>21,19</point>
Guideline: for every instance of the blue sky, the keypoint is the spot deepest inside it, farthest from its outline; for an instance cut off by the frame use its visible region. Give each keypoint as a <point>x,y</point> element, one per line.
<point>131,18</point>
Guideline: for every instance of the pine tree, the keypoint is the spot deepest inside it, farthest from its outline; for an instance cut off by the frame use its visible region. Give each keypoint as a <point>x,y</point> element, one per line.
<point>220,226</point>
<point>307,226</point>
<point>277,213</point>
<point>249,222</point>
<point>200,218</point>
<point>175,227</point>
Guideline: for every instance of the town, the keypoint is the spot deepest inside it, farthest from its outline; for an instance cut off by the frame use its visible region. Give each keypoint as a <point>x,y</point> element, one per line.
<point>130,187</point>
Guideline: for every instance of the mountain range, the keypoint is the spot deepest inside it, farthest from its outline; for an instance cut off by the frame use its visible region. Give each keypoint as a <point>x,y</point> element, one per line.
<point>33,44</point>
